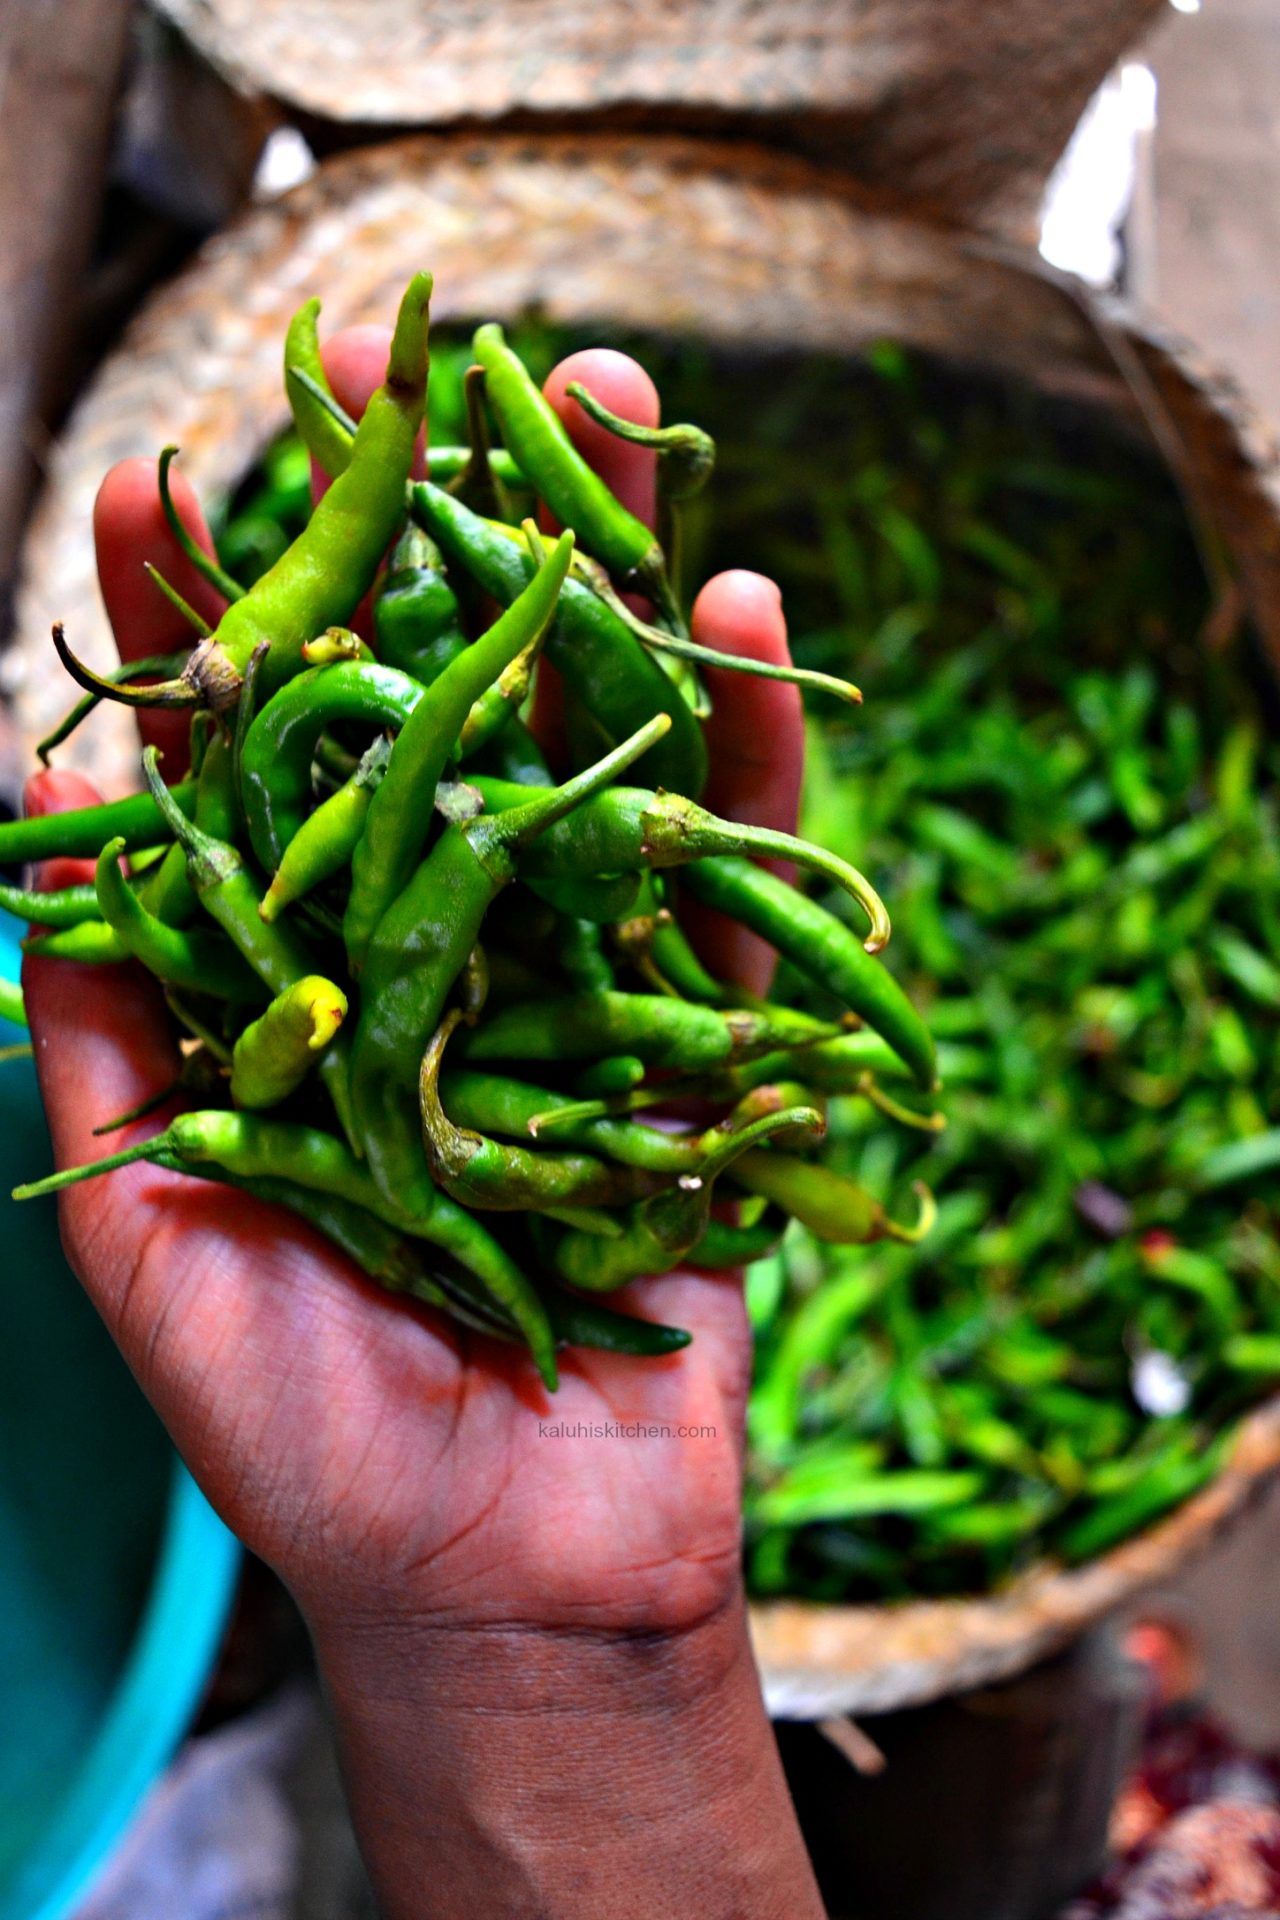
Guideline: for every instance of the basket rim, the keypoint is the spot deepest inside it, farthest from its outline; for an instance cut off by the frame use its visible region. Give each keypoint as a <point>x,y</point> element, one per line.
<point>818,1658</point>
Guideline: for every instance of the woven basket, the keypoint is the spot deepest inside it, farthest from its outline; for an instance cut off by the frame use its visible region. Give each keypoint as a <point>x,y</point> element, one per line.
<point>913,95</point>
<point>739,247</point>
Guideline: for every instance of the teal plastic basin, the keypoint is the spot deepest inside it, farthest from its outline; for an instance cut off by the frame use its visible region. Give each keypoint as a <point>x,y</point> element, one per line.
<point>115,1574</point>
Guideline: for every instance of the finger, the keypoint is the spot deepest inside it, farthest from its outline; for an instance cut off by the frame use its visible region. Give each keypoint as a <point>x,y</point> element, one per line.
<point>129,527</point>
<point>621,384</point>
<point>755,743</point>
<point>355,364</point>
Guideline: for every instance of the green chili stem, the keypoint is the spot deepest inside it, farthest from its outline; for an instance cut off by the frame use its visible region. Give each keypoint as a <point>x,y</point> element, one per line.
<point>205,564</point>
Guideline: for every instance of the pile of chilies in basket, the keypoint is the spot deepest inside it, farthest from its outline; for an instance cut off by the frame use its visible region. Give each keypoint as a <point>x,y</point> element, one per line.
<point>425,993</point>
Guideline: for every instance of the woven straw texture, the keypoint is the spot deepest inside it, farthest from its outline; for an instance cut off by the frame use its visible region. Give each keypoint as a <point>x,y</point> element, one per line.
<point>912,94</point>
<point>741,248</point>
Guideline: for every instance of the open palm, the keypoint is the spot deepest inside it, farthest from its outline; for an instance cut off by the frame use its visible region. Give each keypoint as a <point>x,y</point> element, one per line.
<point>379,1458</point>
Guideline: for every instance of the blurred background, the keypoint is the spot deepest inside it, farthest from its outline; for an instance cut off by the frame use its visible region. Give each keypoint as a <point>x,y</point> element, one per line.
<point>1014,271</point>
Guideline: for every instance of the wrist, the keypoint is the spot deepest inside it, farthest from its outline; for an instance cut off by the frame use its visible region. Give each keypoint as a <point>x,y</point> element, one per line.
<point>565,1773</point>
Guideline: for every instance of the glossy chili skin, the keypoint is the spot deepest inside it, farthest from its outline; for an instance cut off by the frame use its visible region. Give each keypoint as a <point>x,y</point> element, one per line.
<point>274,1054</point>
<point>395,1262</point>
<point>401,811</point>
<point>421,946</point>
<point>619,684</point>
<point>722,1245</point>
<point>585,1323</point>
<point>417,622</point>
<point>599,900</point>
<point>502,1104</point>
<point>534,434</point>
<point>329,444</point>
<point>82,832</point>
<point>832,1207</point>
<point>280,745</point>
<point>660,1232</point>
<point>480,1173</point>
<point>92,942</point>
<point>630,827</point>
<point>166,890</point>
<point>387,1256</point>
<point>228,890</point>
<point>659,1030</point>
<point>582,956</point>
<point>822,947</point>
<point>321,578</point>
<point>65,907</point>
<point>325,841</point>
<point>194,958</point>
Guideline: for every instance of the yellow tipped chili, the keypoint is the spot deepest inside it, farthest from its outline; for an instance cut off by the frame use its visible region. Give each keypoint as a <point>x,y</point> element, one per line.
<point>272,1057</point>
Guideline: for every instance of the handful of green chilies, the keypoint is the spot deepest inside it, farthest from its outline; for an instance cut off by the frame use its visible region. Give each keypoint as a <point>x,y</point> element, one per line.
<point>400,954</point>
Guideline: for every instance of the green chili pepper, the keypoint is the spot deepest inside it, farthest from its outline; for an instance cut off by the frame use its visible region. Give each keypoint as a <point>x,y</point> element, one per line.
<point>575,493</point>
<point>479,1173</point>
<point>686,455</point>
<point>157,666</point>
<point>166,891</point>
<point>1165,1482</point>
<point>838,1487</point>
<point>66,907</point>
<point>205,564</point>
<point>92,942</point>
<point>320,580</point>
<point>832,1207</point>
<point>200,961</point>
<point>650,1027</point>
<point>721,1246</point>
<point>1253,1353</point>
<point>273,1056</point>
<point>311,385</point>
<point>329,442</point>
<point>324,843</point>
<point>418,950</point>
<point>228,891</point>
<point>281,744</point>
<point>417,622</point>
<point>494,1103</point>
<point>808,1342</point>
<point>247,1146</point>
<point>614,678</point>
<point>399,817</point>
<point>662,1231</point>
<point>585,1323</point>
<point>602,900</point>
<point>81,832</point>
<point>821,947</point>
<point>629,827</point>
<point>616,1073</point>
<point>1244,1159</point>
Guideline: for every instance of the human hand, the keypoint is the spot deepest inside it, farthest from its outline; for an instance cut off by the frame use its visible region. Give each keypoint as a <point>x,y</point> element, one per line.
<point>396,1470</point>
